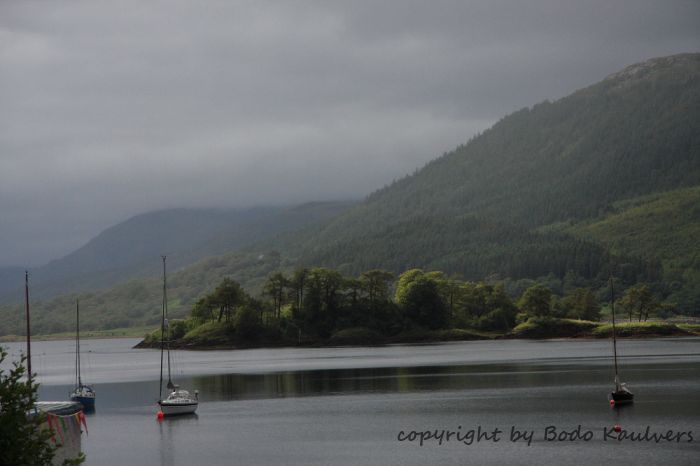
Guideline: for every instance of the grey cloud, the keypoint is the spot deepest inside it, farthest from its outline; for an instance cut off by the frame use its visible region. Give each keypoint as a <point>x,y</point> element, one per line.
<point>113,108</point>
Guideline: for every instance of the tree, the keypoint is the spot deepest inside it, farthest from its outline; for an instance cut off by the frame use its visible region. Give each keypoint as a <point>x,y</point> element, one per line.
<point>639,299</point>
<point>22,440</point>
<point>275,288</point>
<point>536,301</point>
<point>474,299</point>
<point>297,284</point>
<point>423,305</point>
<point>581,304</point>
<point>405,281</point>
<point>323,298</point>
<point>202,311</point>
<point>226,296</point>
<point>375,284</point>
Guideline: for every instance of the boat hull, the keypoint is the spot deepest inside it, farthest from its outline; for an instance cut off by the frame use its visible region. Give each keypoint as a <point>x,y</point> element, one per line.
<point>85,395</point>
<point>174,409</point>
<point>87,402</point>
<point>621,398</point>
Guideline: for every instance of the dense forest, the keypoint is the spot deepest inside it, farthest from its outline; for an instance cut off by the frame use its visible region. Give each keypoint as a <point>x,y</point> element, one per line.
<point>322,306</point>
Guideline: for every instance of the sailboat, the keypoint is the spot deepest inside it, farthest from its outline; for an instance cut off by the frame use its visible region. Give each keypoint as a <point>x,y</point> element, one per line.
<point>83,394</point>
<point>179,401</point>
<point>621,394</point>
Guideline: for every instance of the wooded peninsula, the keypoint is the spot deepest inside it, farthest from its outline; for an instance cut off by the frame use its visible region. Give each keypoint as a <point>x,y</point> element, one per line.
<point>320,306</point>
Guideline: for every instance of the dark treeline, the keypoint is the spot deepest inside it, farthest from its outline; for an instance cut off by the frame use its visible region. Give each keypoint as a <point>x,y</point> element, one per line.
<point>318,305</point>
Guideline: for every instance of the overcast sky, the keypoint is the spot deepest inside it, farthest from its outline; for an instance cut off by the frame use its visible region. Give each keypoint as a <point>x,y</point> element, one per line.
<point>113,108</point>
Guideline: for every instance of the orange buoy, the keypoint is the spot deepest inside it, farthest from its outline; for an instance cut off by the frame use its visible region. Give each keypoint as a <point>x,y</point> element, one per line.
<point>160,415</point>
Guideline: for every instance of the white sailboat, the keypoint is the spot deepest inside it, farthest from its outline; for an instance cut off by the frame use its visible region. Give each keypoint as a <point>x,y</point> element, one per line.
<point>178,401</point>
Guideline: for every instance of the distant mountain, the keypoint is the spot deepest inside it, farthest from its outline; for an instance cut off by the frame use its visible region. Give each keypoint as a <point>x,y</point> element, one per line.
<point>132,249</point>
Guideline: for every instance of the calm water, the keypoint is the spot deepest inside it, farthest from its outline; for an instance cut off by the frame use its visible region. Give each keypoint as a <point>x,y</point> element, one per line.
<point>348,405</point>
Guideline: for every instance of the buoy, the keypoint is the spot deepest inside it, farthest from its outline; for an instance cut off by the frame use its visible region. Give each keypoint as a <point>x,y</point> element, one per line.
<point>160,415</point>
<point>617,428</point>
<point>612,403</point>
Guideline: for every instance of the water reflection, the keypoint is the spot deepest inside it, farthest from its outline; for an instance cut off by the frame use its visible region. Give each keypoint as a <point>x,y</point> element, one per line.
<point>170,429</point>
<point>396,379</point>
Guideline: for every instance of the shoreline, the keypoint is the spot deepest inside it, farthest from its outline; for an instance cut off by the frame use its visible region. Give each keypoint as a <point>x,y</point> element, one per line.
<point>672,331</point>
<point>397,341</point>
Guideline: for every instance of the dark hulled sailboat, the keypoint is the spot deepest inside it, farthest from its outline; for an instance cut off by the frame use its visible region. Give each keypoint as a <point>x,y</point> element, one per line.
<point>621,394</point>
<point>83,394</point>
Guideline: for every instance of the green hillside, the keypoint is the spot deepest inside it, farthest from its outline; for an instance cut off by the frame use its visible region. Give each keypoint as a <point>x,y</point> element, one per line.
<point>138,303</point>
<point>663,228</point>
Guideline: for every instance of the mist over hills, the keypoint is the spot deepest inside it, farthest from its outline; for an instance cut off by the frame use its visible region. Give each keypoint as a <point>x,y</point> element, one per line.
<point>131,249</point>
<point>602,181</point>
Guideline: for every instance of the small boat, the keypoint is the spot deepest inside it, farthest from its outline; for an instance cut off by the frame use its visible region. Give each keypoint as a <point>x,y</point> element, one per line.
<point>621,394</point>
<point>179,401</point>
<point>83,394</point>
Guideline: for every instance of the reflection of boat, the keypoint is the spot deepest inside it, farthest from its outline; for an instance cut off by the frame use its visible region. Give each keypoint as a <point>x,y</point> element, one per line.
<point>621,394</point>
<point>179,401</point>
<point>83,394</point>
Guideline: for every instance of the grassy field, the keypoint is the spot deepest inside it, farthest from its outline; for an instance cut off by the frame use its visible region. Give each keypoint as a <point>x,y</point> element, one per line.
<point>128,332</point>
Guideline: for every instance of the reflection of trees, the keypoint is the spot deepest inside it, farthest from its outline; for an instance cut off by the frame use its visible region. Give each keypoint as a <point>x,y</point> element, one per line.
<point>380,380</point>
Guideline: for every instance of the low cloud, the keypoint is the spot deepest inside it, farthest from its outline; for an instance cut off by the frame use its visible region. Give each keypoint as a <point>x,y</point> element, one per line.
<point>113,108</point>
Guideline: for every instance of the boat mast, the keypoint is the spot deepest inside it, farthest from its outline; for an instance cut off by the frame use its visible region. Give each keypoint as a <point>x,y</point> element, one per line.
<point>29,333</point>
<point>165,313</point>
<point>612,305</point>
<point>77,343</point>
<point>162,336</point>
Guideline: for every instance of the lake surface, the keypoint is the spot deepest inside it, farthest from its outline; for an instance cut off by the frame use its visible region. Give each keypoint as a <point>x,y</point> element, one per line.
<point>319,406</point>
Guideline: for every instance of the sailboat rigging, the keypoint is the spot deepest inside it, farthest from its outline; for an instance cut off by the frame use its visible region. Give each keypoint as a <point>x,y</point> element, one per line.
<point>621,394</point>
<point>179,401</point>
<point>29,331</point>
<point>83,394</point>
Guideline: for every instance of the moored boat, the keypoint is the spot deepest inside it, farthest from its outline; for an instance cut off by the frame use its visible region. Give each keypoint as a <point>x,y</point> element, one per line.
<point>83,394</point>
<point>621,394</point>
<point>179,401</point>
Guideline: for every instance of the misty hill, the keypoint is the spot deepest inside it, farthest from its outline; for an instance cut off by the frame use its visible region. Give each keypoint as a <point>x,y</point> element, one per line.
<point>476,210</point>
<point>132,249</point>
<point>137,303</point>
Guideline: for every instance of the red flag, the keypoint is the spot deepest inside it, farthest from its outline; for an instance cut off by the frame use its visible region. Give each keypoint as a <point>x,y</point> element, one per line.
<point>48,421</point>
<point>83,421</point>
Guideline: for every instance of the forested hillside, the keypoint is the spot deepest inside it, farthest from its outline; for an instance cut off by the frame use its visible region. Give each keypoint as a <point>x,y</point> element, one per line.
<point>131,249</point>
<point>662,228</point>
<point>477,210</point>
<point>138,303</point>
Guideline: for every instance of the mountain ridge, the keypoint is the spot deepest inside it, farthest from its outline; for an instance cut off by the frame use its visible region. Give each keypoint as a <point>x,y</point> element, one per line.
<point>124,251</point>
